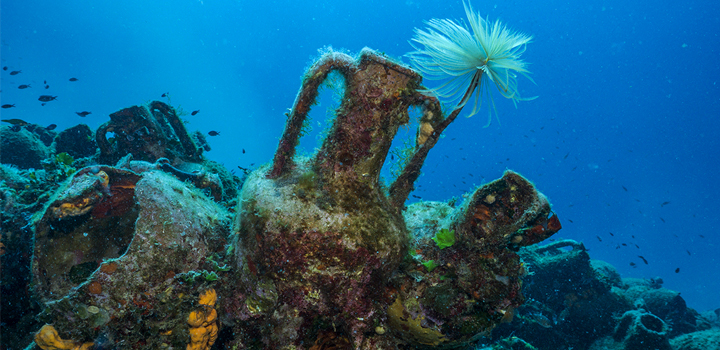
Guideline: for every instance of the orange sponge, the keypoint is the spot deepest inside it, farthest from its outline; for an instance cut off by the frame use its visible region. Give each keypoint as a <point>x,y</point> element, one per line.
<point>203,325</point>
<point>49,339</point>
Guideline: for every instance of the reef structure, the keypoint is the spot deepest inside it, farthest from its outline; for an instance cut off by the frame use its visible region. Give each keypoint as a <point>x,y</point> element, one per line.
<point>320,254</point>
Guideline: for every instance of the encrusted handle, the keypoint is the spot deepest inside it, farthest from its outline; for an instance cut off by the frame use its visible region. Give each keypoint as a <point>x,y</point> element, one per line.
<point>315,76</point>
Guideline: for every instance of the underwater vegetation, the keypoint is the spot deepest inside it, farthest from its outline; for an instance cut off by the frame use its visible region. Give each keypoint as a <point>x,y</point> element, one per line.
<point>128,238</point>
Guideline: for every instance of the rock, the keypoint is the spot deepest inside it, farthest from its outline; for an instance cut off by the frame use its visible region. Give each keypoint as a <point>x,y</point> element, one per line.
<point>22,148</point>
<point>703,340</point>
<point>77,141</point>
<point>606,272</point>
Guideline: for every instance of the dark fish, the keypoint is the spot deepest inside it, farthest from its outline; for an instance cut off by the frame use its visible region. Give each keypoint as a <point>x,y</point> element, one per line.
<point>570,221</point>
<point>637,246</point>
<point>566,155</point>
<point>611,234</point>
<point>51,127</point>
<point>624,188</point>
<point>632,264</point>
<point>164,94</point>
<point>83,114</point>
<point>243,151</point>
<point>677,270</point>
<point>19,122</point>
<point>418,197</point>
<point>73,79</point>
<point>8,106</point>
<point>42,104</point>
<point>46,98</point>
<point>24,86</point>
<point>47,87</point>
<point>195,112</point>
<point>5,68</point>
<point>15,72</point>
<point>701,236</point>
<point>573,169</point>
<point>663,220</point>
<point>643,259</point>
<point>624,244</point>
<point>664,204</point>
<point>599,239</point>
<point>688,252</point>
<point>214,133</point>
<point>44,81</point>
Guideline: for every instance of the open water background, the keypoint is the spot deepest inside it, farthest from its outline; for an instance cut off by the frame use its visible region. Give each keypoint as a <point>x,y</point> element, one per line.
<point>629,98</point>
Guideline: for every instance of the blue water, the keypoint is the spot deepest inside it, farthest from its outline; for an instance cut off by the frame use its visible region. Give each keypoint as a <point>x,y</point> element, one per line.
<point>626,119</point>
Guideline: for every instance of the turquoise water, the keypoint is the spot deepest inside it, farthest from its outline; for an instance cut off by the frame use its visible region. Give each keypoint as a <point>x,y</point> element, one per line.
<point>626,117</point>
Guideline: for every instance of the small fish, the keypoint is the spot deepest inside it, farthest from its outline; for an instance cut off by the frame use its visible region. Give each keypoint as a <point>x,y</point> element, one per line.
<point>51,127</point>
<point>8,106</point>
<point>73,79</point>
<point>44,81</point>
<point>677,270</point>
<point>46,98</point>
<point>5,68</point>
<point>663,220</point>
<point>688,252</point>
<point>19,122</point>
<point>633,264</point>
<point>570,221</point>
<point>418,197</point>
<point>540,319</point>
<point>664,204</point>
<point>624,188</point>
<point>566,155</point>
<point>637,246</point>
<point>24,86</point>
<point>643,259</point>
<point>701,236</point>
<point>47,87</point>
<point>243,151</point>
<point>624,244</point>
<point>165,94</point>
<point>83,113</point>
<point>573,169</point>
<point>611,234</point>
<point>195,112</point>
<point>599,239</point>
<point>214,133</point>
<point>42,104</point>
<point>15,72</point>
